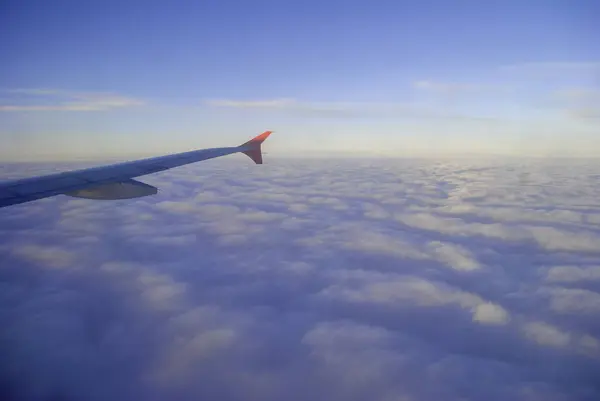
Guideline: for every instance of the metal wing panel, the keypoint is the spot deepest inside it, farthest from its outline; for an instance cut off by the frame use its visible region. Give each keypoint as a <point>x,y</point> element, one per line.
<point>45,185</point>
<point>28,189</point>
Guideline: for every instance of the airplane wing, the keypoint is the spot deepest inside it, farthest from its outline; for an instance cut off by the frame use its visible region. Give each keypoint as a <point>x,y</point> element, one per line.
<point>115,181</point>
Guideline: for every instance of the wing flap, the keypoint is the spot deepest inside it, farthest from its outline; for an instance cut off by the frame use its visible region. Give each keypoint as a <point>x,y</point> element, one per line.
<point>127,189</point>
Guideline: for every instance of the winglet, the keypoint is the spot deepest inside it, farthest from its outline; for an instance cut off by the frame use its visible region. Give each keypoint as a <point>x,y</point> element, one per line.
<point>253,147</point>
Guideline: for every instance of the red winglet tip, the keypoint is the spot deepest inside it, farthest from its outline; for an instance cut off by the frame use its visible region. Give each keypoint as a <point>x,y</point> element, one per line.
<point>254,151</point>
<point>259,138</point>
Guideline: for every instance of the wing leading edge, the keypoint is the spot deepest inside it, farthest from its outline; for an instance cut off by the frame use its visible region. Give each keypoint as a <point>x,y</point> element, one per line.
<point>115,181</point>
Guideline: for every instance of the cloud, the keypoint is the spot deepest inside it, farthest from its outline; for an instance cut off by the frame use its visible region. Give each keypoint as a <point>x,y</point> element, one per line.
<point>355,357</point>
<point>314,279</point>
<point>582,103</point>
<point>545,334</point>
<point>59,100</point>
<point>456,88</point>
<point>250,104</point>
<point>489,313</point>
<point>553,68</point>
<point>300,108</point>
<point>398,290</point>
<point>333,109</point>
<point>573,274</point>
<point>550,238</point>
<point>586,113</point>
<point>455,256</point>
<point>50,256</point>
<point>577,94</point>
<point>573,301</point>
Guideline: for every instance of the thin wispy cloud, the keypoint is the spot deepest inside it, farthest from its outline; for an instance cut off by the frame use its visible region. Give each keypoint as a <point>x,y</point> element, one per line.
<point>254,104</point>
<point>299,107</point>
<point>555,68</point>
<point>456,87</point>
<point>579,103</point>
<point>343,109</point>
<point>586,113</point>
<point>62,100</point>
<point>579,94</point>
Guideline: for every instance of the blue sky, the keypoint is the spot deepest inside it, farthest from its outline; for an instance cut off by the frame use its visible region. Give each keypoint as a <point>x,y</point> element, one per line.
<point>104,78</point>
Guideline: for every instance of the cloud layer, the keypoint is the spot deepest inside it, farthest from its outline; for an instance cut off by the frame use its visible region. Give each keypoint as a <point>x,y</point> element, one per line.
<point>310,279</point>
<point>60,100</point>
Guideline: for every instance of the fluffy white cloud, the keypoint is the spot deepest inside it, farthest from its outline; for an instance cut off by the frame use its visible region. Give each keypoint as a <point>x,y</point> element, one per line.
<point>488,313</point>
<point>572,274</point>
<point>454,256</point>
<point>51,256</point>
<point>545,334</point>
<point>569,300</point>
<point>335,279</point>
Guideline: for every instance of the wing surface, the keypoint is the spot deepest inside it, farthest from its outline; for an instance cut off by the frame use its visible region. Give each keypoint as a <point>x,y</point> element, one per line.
<point>97,178</point>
